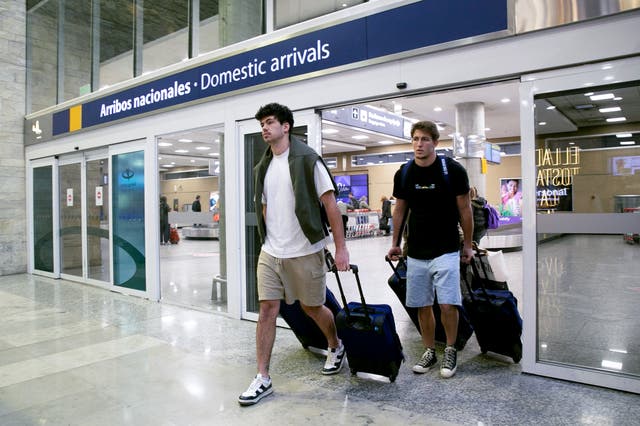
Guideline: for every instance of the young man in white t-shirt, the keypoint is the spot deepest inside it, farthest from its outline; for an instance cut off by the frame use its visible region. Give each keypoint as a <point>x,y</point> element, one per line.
<point>291,182</point>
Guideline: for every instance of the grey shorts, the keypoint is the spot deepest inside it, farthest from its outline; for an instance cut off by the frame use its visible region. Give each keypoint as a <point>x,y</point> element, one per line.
<point>428,277</point>
<point>297,278</point>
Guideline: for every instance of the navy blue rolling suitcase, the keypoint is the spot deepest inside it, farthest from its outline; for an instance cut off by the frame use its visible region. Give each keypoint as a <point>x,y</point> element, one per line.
<point>369,335</point>
<point>398,283</point>
<point>495,318</point>
<point>306,329</point>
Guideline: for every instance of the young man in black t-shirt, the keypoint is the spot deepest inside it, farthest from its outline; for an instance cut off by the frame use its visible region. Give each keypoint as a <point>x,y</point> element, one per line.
<point>436,191</point>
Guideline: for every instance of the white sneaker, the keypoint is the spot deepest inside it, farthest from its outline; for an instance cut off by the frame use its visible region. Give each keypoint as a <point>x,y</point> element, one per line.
<point>335,359</point>
<point>258,389</point>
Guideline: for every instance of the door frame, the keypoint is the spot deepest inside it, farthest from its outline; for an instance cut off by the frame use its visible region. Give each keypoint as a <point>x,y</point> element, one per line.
<point>531,85</point>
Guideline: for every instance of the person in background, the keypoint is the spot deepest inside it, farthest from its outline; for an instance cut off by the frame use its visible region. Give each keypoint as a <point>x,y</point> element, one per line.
<point>362,202</point>
<point>196,207</point>
<point>342,206</point>
<point>385,215</point>
<point>479,215</point>
<point>164,221</point>
<point>291,181</point>
<point>353,202</point>
<point>438,199</point>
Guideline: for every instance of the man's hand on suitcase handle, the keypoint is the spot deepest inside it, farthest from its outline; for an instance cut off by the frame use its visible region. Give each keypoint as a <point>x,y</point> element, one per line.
<point>338,266</point>
<point>394,253</point>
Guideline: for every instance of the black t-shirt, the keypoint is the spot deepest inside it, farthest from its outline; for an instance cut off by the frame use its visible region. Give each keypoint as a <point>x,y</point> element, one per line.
<point>433,222</point>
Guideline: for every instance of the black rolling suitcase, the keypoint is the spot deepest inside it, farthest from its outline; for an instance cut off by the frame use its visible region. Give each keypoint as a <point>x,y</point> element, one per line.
<point>368,333</point>
<point>306,329</point>
<point>398,283</point>
<point>495,319</point>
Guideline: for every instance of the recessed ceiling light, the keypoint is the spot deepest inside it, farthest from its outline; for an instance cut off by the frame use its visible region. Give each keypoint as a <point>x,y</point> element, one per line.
<point>616,119</point>
<point>329,131</point>
<point>627,142</point>
<point>437,109</point>
<point>185,140</point>
<point>572,143</point>
<point>610,109</point>
<point>167,165</point>
<point>551,107</point>
<point>164,144</point>
<point>542,123</point>
<point>505,100</point>
<point>614,365</point>
<point>385,142</point>
<point>602,97</point>
<point>181,151</point>
<point>589,94</point>
<point>192,161</point>
<point>487,129</point>
<point>203,148</point>
<point>617,98</point>
<point>623,135</point>
<point>214,154</point>
<point>360,137</point>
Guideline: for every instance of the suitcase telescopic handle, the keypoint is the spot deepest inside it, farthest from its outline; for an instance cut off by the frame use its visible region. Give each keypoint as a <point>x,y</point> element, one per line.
<point>331,264</point>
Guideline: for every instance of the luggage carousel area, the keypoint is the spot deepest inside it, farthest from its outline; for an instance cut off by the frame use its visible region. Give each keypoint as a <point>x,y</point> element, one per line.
<point>203,232</point>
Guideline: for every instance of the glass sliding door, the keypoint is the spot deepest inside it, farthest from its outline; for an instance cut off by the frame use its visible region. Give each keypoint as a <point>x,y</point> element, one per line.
<point>98,214</point>
<point>70,199</point>
<point>583,162</point>
<point>43,219</point>
<point>128,222</point>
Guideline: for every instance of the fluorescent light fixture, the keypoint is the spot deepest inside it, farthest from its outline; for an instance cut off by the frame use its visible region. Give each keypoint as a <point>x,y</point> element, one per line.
<point>487,129</point>
<point>203,148</point>
<point>572,143</point>
<point>192,161</point>
<point>167,165</point>
<point>616,119</point>
<point>612,364</point>
<point>185,140</point>
<point>181,151</point>
<point>360,137</point>
<point>619,351</point>
<point>617,98</point>
<point>437,109</point>
<point>543,346</point>
<point>610,109</point>
<point>623,135</point>
<point>214,154</point>
<point>602,97</point>
<point>164,144</point>
<point>385,142</point>
<point>589,94</point>
<point>542,123</point>
<point>505,100</point>
<point>329,131</point>
<point>551,107</point>
<point>627,142</point>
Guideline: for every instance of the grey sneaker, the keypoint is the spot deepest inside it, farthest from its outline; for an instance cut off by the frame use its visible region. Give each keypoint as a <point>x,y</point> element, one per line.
<point>449,362</point>
<point>335,359</point>
<point>427,361</point>
<point>257,390</point>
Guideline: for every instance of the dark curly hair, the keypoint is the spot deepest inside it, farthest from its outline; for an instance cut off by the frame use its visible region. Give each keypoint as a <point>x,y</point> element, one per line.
<point>281,112</point>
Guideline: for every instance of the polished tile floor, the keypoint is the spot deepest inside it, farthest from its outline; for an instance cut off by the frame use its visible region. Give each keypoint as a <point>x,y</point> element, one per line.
<point>72,354</point>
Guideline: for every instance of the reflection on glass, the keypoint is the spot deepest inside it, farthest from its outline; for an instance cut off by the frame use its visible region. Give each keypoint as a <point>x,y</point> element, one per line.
<point>588,310</point>
<point>43,219</point>
<point>98,219</point>
<point>116,41</point>
<point>289,12</point>
<point>42,47</point>
<point>165,33</point>
<point>76,49</point>
<point>70,197</point>
<point>209,37</point>
<point>587,143</point>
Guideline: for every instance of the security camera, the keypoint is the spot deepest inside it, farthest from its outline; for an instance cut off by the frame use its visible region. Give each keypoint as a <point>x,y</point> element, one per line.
<point>401,85</point>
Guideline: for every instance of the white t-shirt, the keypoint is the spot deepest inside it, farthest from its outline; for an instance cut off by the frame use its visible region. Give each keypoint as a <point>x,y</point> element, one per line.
<point>285,238</point>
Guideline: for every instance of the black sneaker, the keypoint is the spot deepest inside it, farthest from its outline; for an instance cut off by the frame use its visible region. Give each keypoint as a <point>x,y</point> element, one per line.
<point>449,362</point>
<point>257,390</point>
<point>427,361</point>
<point>335,359</point>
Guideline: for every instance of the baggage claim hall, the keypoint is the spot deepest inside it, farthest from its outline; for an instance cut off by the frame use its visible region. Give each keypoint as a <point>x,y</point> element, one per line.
<point>107,107</point>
